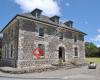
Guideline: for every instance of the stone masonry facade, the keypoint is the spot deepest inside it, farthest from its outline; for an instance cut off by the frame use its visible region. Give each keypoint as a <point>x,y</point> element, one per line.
<point>21,37</point>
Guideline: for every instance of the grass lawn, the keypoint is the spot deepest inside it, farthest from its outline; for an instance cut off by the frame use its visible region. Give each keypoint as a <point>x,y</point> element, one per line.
<point>96,60</point>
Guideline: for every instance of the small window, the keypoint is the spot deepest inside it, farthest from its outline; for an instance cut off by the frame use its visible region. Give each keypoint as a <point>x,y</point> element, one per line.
<point>42,47</point>
<point>75,38</point>
<point>11,51</point>
<point>61,35</point>
<point>41,32</point>
<point>76,52</point>
<point>81,37</point>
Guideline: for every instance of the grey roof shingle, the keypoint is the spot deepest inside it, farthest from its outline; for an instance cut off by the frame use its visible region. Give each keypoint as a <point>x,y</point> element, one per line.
<point>47,19</point>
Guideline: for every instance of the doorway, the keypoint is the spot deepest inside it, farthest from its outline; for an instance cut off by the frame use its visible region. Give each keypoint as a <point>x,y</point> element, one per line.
<point>62,53</point>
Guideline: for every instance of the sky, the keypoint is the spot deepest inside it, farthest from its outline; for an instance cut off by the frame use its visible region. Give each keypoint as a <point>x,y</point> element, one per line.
<point>84,13</point>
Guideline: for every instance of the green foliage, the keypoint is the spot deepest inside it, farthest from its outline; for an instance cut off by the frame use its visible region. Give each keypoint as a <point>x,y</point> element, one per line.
<point>91,50</point>
<point>60,61</point>
<point>95,59</point>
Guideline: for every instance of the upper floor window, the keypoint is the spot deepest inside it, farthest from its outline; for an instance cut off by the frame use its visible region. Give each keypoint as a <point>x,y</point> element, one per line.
<point>75,38</point>
<point>76,52</point>
<point>81,37</point>
<point>41,32</point>
<point>61,35</point>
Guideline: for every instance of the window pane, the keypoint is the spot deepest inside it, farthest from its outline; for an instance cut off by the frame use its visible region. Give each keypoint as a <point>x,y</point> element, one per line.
<point>41,32</point>
<point>75,38</point>
<point>11,50</point>
<point>61,35</point>
<point>76,51</point>
<point>42,47</point>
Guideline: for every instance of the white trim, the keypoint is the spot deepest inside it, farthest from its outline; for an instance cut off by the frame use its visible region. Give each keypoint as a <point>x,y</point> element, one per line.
<point>75,34</point>
<point>62,45</point>
<point>42,42</point>
<point>74,51</point>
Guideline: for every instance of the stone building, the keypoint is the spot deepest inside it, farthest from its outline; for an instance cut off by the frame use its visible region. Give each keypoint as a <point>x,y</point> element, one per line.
<point>0,41</point>
<point>26,32</point>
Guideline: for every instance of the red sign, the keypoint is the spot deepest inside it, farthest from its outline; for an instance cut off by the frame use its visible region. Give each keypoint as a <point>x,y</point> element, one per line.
<point>37,53</point>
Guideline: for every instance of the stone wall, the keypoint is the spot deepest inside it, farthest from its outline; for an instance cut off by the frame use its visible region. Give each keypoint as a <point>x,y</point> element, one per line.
<point>29,40</point>
<point>10,39</point>
<point>23,35</point>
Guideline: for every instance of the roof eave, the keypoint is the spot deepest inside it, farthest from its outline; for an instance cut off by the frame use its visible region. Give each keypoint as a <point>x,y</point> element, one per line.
<point>8,24</point>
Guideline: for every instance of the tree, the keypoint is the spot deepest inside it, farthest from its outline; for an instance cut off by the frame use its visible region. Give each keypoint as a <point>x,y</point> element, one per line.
<point>91,49</point>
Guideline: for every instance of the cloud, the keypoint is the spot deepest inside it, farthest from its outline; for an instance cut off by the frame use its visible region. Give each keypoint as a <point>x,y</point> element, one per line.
<point>86,22</point>
<point>98,45</point>
<point>98,30</point>
<point>49,7</point>
<point>97,38</point>
<point>67,4</point>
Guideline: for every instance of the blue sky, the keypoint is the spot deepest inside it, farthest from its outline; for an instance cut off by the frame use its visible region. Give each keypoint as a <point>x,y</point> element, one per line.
<point>84,13</point>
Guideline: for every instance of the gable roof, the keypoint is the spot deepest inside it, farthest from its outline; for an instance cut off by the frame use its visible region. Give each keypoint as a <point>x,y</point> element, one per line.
<point>44,19</point>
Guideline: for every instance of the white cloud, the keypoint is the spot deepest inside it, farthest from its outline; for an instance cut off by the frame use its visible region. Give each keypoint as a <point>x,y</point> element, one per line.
<point>98,30</point>
<point>67,4</point>
<point>97,38</point>
<point>98,45</point>
<point>49,7</point>
<point>86,22</point>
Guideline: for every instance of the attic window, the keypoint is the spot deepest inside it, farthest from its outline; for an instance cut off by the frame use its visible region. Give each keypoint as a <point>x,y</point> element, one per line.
<point>36,12</point>
<point>55,19</point>
<point>69,23</point>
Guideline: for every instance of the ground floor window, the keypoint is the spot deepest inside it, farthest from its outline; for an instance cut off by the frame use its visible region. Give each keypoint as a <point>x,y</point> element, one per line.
<point>42,47</point>
<point>76,52</point>
<point>11,51</point>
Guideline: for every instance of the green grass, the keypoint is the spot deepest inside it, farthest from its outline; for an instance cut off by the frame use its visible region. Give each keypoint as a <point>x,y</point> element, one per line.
<point>96,60</point>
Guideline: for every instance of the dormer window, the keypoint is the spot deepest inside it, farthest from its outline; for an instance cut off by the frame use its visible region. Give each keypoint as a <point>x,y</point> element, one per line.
<point>69,23</point>
<point>36,12</point>
<point>55,19</point>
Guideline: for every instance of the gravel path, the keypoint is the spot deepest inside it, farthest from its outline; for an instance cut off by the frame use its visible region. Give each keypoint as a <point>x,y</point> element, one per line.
<point>82,73</point>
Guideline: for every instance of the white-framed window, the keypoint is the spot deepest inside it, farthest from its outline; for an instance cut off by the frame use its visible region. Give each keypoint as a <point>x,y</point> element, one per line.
<point>11,54</point>
<point>42,47</point>
<point>75,51</point>
<point>75,38</point>
<point>61,35</point>
<point>5,50</point>
<point>41,32</point>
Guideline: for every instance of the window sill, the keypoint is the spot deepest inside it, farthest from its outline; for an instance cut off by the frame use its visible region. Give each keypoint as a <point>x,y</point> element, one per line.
<point>42,57</point>
<point>76,56</point>
<point>40,36</point>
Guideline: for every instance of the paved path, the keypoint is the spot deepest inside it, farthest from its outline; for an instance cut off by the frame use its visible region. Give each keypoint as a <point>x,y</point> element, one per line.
<point>82,73</point>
